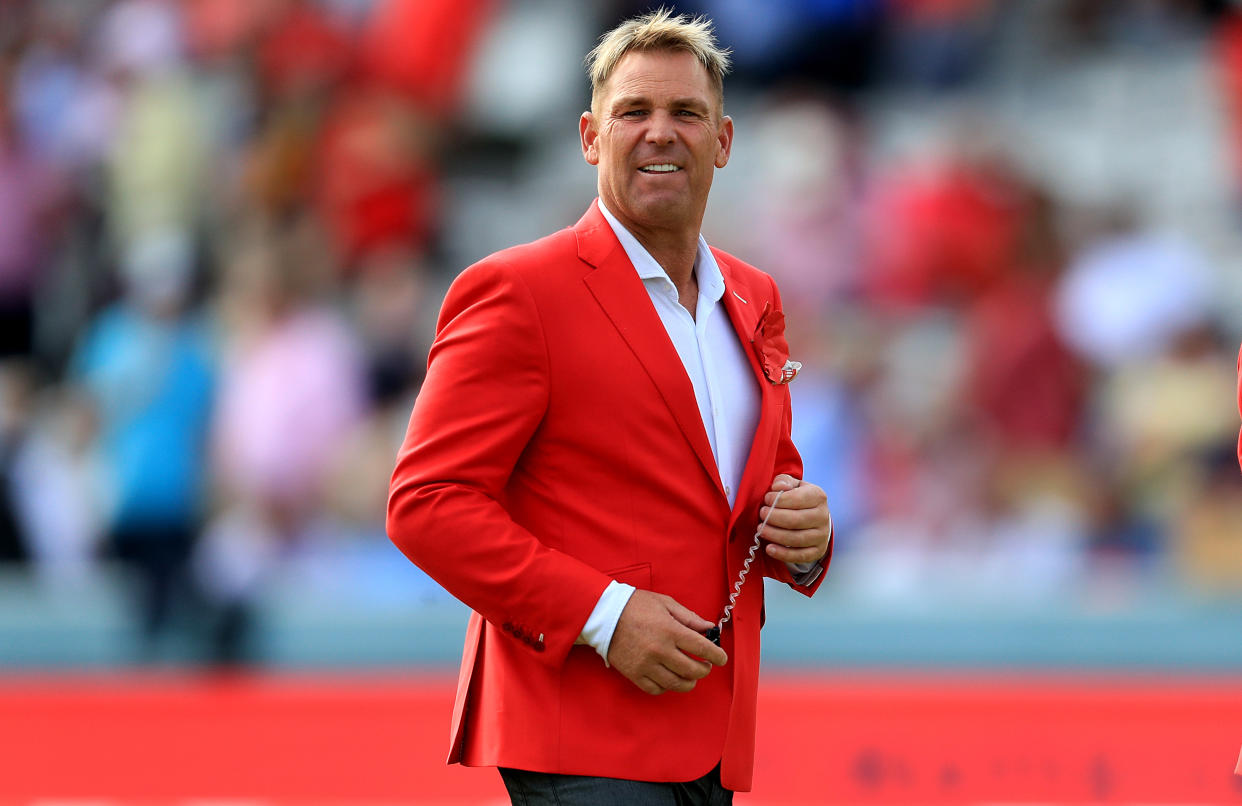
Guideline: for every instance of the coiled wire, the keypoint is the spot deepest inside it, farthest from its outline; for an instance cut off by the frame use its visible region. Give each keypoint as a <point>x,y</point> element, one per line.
<point>750,558</point>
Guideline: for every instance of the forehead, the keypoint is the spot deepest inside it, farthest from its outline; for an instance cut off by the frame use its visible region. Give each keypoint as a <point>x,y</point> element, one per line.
<point>660,72</point>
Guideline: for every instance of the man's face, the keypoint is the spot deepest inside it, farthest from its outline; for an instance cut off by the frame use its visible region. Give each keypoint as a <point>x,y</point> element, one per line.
<point>657,136</point>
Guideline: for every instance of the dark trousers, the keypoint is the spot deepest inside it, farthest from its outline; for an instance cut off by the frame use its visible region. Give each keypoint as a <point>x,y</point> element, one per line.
<point>546,789</point>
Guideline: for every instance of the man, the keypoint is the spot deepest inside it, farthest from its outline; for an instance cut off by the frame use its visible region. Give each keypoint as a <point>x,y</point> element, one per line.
<point>603,425</point>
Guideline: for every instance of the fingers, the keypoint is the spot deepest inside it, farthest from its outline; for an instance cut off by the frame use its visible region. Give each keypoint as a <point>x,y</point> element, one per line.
<point>801,496</point>
<point>799,526</point>
<point>795,555</point>
<point>697,645</point>
<point>782,483</point>
<point>695,642</point>
<point>794,519</point>
<point>658,645</point>
<point>686,616</point>
<point>671,680</point>
<point>798,545</point>
<point>677,673</point>
<point>660,680</point>
<point>648,685</point>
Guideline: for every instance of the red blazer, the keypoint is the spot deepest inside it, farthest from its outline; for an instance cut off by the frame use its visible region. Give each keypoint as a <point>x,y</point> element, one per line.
<point>556,445</point>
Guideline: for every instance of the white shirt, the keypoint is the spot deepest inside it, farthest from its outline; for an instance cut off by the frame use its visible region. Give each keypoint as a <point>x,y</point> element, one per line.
<point>724,387</point>
<point>724,384</point>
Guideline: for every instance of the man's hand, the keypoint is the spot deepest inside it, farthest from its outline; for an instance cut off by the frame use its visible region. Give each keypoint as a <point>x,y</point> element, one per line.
<point>658,644</point>
<point>799,528</point>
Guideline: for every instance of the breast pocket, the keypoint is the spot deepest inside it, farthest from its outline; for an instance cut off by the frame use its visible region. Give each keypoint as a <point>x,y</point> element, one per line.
<point>638,575</point>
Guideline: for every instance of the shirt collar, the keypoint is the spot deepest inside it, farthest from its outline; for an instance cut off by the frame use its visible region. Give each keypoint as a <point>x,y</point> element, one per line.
<point>706,270</point>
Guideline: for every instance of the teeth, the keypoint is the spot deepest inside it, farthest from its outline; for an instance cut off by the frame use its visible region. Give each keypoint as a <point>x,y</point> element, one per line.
<point>666,167</point>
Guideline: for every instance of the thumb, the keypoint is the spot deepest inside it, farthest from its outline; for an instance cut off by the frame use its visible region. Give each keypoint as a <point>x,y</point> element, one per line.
<point>688,617</point>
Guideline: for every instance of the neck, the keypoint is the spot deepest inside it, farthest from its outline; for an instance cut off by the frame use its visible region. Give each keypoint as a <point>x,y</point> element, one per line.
<point>675,257</point>
<point>673,248</point>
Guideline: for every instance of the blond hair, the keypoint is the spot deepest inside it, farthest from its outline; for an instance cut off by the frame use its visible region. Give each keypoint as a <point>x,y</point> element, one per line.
<point>658,30</point>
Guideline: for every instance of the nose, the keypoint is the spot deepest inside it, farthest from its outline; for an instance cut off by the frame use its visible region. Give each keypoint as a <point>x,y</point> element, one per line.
<point>660,128</point>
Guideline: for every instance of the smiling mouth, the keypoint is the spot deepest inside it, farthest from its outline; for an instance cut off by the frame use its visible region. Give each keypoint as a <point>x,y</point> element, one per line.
<point>660,168</point>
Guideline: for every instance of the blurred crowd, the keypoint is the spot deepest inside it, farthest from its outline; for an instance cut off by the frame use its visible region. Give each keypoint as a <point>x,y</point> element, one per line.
<point>225,226</point>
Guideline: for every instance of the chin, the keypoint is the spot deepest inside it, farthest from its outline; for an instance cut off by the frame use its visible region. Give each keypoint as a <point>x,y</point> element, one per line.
<point>662,210</point>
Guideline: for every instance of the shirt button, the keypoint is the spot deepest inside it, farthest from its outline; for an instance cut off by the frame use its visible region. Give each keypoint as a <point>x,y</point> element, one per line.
<point>728,490</point>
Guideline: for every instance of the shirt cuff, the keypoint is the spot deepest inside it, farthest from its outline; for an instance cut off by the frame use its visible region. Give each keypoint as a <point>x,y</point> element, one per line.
<point>602,622</point>
<point>806,573</point>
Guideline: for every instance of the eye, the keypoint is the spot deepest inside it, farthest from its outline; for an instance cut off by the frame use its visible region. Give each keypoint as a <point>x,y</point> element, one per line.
<point>633,113</point>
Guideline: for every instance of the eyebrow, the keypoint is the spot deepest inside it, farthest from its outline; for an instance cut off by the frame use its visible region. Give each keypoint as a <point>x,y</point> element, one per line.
<point>689,102</point>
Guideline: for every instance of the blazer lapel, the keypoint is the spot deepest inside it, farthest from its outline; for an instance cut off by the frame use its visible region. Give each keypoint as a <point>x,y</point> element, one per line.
<point>743,313</point>
<point>619,291</point>
<point>744,306</point>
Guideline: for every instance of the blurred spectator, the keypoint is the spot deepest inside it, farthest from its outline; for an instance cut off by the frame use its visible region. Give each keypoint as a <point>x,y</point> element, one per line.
<point>291,389</point>
<point>378,187</point>
<point>158,159</point>
<point>1038,509</point>
<point>805,207</point>
<point>14,541</point>
<point>30,195</point>
<point>1207,540</point>
<point>831,429</point>
<point>147,367</point>
<point>392,316</point>
<point>56,481</point>
<point>421,49</point>
<point>302,58</point>
<point>1024,384</point>
<point>63,109</point>
<point>1130,292</point>
<point>923,459</point>
<point>1124,541</point>
<point>1160,414</point>
<point>301,50</point>
<point>1228,55</point>
<point>940,44</point>
<point>942,230</point>
<point>834,44</point>
<point>140,37</point>
<point>355,126</point>
<point>1147,24</point>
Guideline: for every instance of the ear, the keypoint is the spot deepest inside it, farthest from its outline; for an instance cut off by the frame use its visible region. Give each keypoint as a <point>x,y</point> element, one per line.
<point>589,135</point>
<point>724,139</point>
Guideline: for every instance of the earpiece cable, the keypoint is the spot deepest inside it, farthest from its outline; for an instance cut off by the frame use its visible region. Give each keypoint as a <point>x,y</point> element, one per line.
<point>750,558</point>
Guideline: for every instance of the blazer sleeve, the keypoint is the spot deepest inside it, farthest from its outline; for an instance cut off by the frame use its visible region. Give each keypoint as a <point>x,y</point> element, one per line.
<point>789,461</point>
<point>484,396</point>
